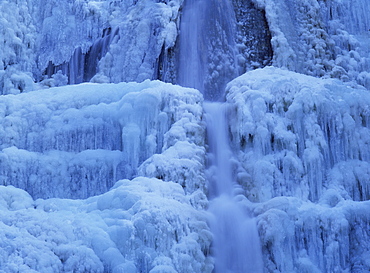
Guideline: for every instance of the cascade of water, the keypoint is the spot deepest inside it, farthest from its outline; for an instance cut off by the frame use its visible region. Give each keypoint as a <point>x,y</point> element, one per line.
<point>207,47</point>
<point>207,53</point>
<point>236,242</point>
<point>192,63</point>
<point>220,159</point>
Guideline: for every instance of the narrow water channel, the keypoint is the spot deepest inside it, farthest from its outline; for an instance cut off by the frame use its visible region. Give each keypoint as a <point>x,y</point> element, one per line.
<point>236,245</point>
<point>206,62</point>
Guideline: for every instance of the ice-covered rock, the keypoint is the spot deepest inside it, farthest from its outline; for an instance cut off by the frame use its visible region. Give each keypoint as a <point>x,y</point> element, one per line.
<point>143,225</point>
<point>76,141</point>
<point>302,146</point>
<point>320,38</point>
<point>331,236</point>
<point>134,41</point>
<point>295,133</point>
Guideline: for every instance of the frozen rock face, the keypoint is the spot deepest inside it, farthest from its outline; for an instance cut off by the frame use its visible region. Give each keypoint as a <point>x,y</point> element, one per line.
<point>253,38</point>
<point>133,40</point>
<point>78,141</point>
<point>303,148</point>
<point>75,142</point>
<point>320,38</point>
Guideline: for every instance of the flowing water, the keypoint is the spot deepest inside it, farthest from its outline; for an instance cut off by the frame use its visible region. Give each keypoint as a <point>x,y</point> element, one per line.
<point>236,244</point>
<point>207,47</point>
<point>207,54</point>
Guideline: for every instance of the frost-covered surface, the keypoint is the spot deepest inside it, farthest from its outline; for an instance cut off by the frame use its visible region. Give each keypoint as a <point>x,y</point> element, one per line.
<point>302,143</point>
<point>303,148</point>
<point>40,37</point>
<point>321,38</point>
<point>38,33</point>
<point>143,225</point>
<point>76,141</point>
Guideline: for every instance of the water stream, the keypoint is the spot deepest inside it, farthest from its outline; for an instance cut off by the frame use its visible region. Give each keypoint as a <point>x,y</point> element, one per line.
<point>206,62</point>
<point>207,58</point>
<point>236,245</point>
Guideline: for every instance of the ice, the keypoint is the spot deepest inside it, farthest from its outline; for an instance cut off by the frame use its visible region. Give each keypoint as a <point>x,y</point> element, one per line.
<point>113,41</point>
<point>40,38</point>
<point>302,147</point>
<point>150,30</point>
<point>156,229</point>
<point>290,127</point>
<point>314,237</point>
<point>300,144</point>
<point>320,38</point>
<point>76,141</point>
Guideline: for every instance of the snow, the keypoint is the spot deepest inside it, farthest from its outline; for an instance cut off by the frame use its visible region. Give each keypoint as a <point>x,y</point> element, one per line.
<point>76,141</point>
<point>302,147</point>
<point>112,177</point>
<point>138,226</point>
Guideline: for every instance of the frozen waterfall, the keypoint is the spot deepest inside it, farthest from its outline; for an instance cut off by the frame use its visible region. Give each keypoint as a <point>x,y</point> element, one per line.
<point>236,243</point>
<point>207,47</point>
<point>83,66</point>
<point>207,62</point>
<point>113,175</point>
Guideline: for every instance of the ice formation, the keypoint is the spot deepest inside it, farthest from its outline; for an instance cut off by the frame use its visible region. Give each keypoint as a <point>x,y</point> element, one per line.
<point>85,41</point>
<point>302,145</point>
<point>320,38</point>
<point>86,137</point>
<point>143,225</point>
<point>130,157</point>
<point>76,142</point>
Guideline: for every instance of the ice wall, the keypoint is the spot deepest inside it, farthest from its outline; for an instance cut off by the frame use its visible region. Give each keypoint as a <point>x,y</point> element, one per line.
<point>76,141</point>
<point>132,39</point>
<point>320,38</point>
<point>303,148</point>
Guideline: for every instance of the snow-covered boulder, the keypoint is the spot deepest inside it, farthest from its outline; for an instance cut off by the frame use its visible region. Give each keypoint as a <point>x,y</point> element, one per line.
<point>143,225</point>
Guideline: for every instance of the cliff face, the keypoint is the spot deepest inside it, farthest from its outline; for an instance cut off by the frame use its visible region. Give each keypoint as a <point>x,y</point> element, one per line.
<point>298,130</point>
<point>113,41</point>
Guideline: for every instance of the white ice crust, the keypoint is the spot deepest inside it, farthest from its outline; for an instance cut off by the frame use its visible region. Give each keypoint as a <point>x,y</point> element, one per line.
<point>302,144</point>
<point>76,142</point>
